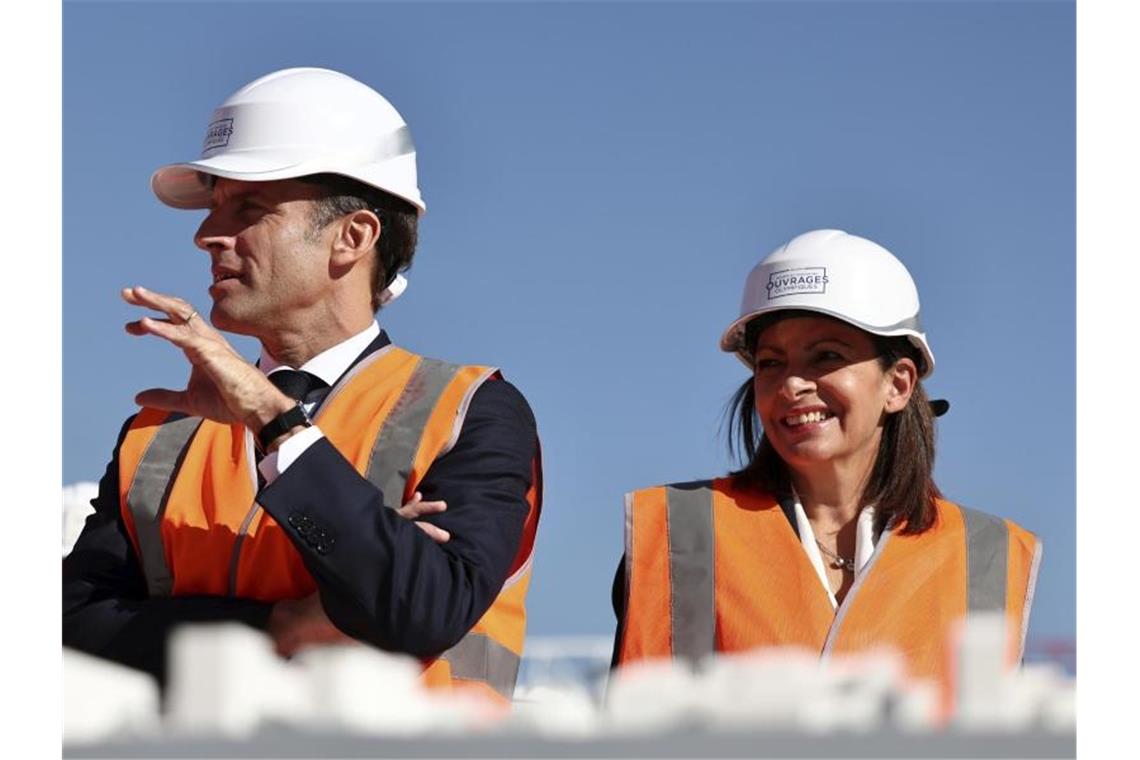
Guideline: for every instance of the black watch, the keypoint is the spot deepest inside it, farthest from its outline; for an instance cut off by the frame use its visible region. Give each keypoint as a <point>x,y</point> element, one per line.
<point>282,424</point>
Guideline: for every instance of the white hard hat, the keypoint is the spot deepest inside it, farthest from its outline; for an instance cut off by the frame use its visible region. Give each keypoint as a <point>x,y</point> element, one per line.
<point>295,122</point>
<point>844,276</point>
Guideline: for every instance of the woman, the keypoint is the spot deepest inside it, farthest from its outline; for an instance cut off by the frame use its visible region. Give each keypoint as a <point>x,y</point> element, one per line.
<point>834,536</point>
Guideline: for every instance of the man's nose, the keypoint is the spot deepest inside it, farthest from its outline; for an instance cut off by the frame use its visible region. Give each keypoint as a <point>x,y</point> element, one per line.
<point>211,236</point>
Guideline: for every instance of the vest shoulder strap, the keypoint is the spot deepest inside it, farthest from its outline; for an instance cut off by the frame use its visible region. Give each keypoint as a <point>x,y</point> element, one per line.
<point>986,560</point>
<point>397,445</point>
<point>685,511</point>
<point>478,657</point>
<point>149,491</point>
<point>1002,560</point>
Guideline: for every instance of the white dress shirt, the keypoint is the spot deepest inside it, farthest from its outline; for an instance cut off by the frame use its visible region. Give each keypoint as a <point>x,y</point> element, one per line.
<point>328,365</point>
<point>864,544</point>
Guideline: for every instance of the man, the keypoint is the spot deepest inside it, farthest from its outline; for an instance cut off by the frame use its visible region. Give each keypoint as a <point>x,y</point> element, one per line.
<point>272,494</point>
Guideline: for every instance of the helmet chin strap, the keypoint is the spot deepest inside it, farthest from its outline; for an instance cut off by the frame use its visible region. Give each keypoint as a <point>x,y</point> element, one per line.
<point>394,290</point>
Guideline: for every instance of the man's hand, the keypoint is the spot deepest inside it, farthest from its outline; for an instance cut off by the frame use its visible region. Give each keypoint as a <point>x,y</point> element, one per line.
<point>417,508</point>
<point>297,623</point>
<point>223,386</point>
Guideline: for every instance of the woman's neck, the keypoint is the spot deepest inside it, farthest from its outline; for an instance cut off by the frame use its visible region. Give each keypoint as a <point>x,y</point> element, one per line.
<point>831,495</point>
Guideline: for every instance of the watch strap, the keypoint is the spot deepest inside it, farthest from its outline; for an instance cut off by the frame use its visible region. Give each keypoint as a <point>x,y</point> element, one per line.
<point>282,424</point>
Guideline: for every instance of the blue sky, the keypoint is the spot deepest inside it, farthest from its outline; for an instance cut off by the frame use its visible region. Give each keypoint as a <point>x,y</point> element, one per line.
<point>600,178</point>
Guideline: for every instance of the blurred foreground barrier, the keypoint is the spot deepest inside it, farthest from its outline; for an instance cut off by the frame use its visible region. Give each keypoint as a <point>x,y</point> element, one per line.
<point>226,680</point>
<point>989,699</point>
<point>102,700</point>
<point>230,695</point>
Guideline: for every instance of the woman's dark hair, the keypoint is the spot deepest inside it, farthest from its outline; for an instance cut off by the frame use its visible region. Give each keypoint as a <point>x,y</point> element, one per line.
<point>901,485</point>
<point>398,223</point>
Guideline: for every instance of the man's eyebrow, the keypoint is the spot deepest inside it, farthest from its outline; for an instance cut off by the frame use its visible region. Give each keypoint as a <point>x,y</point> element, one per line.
<point>242,191</point>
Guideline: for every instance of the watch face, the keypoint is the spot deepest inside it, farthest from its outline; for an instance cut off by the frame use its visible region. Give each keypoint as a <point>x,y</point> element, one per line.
<point>296,416</point>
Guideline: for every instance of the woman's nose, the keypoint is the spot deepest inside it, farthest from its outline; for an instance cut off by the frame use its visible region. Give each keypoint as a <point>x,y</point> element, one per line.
<point>795,385</point>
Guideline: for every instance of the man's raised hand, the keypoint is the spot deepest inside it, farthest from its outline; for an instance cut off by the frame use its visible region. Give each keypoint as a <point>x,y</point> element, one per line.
<point>223,386</point>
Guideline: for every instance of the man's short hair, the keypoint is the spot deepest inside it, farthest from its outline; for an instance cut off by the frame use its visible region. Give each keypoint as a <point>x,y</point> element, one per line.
<point>398,223</point>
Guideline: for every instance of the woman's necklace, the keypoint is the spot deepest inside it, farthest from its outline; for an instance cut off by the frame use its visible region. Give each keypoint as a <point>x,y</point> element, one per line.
<point>839,563</point>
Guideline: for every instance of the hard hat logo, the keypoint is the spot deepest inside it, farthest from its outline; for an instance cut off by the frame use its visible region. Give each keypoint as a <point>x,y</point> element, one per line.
<point>218,134</point>
<point>794,281</point>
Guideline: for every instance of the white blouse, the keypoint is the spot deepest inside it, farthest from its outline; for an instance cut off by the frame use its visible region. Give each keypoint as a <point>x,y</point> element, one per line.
<point>864,544</point>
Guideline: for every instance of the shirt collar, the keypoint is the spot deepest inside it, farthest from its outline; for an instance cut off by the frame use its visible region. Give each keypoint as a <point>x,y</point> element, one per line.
<point>331,363</point>
<point>864,543</point>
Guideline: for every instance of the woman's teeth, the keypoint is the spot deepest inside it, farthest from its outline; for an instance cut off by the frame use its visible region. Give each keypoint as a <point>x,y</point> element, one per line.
<point>803,419</point>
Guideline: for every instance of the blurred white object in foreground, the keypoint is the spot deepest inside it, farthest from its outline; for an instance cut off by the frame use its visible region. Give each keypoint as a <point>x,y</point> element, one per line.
<point>103,700</point>
<point>558,711</point>
<point>764,689</point>
<point>560,686</point>
<point>993,699</point>
<point>651,696</point>
<point>861,692</point>
<point>361,689</point>
<point>771,690</point>
<point>76,506</point>
<point>226,680</point>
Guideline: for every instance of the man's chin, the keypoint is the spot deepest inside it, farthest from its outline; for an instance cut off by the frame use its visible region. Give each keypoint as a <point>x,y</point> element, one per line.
<point>225,320</point>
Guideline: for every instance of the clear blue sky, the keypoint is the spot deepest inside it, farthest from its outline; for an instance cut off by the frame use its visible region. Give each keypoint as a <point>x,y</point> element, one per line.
<point>599,179</point>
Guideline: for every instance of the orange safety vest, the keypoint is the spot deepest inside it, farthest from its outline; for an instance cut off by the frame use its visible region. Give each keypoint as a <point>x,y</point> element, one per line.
<point>710,567</point>
<point>188,488</point>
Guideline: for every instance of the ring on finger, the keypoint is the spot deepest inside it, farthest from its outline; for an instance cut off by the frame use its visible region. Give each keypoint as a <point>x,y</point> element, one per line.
<point>193,313</point>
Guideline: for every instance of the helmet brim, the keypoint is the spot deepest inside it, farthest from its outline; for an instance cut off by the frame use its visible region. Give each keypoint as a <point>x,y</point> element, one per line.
<point>732,340</point>
<point>182,185</point>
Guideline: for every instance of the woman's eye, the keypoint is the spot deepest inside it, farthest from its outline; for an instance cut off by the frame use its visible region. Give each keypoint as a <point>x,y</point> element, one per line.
<point>765,363</point>
<point>828,356</point>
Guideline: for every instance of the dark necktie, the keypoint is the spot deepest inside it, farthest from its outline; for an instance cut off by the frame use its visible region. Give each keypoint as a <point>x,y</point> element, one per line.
<point>296,383</point>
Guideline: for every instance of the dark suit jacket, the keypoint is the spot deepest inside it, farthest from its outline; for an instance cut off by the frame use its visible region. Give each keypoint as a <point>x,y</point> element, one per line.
<point>384,582</point>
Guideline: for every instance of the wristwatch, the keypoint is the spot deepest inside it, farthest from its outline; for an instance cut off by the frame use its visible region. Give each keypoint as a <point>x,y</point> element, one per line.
<point>281,424</point>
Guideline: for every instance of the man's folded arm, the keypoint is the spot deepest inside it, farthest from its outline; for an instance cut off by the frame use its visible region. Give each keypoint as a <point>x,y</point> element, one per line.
<point>106,608</point>
<point>381,579</point>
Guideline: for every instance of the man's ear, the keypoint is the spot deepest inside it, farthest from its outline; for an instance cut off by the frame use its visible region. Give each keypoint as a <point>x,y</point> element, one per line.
<point>902,377</point>
<point>355,237</point>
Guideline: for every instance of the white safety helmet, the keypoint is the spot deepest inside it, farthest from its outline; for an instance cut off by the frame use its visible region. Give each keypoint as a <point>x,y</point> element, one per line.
<point>295,122</point>
<point>844,276</point>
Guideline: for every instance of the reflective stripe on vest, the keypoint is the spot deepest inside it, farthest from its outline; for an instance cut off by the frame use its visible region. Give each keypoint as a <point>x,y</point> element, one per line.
<point>395,450</point>
<point>478,657</point>
<point>692,611</point>
<point>149,491</point>
<point>987,550</point>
